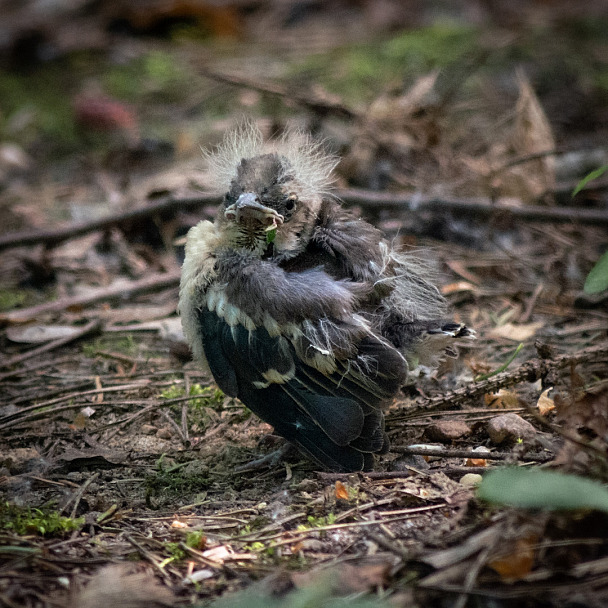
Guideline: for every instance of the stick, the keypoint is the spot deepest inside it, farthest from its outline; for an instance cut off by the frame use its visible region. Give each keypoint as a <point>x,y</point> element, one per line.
<point>531,371</point>
<point>59,235</point>
<point>366,199</point>
<point>320,105</point>
<point>448,453</point>
<point>124,290</point>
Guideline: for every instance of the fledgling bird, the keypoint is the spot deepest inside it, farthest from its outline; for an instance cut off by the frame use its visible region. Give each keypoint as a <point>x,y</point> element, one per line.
<point>301,309</point>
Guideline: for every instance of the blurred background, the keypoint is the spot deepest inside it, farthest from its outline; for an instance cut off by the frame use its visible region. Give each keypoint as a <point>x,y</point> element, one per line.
<point>475,128</point>
<point>435,97</point>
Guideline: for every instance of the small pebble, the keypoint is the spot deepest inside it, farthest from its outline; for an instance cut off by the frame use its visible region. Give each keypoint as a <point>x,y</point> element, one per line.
<point>471,480</point>
<point>164,433</point>
<point>447,430</point>
<point>510,428</point>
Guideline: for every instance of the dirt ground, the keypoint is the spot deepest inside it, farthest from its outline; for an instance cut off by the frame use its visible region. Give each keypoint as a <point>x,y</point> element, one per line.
<point>123,477</point>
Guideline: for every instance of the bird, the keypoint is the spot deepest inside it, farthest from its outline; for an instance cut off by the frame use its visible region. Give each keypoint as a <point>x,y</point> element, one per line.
<point>301,309</point>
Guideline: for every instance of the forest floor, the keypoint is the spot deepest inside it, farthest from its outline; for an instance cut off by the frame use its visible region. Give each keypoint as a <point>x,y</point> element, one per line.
<point>119,458</point>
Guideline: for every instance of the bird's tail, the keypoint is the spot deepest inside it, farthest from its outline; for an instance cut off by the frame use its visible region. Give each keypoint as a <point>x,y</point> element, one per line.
<point>427,343</point>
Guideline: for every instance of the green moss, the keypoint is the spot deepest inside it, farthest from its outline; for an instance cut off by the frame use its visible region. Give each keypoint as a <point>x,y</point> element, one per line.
<point>206,398</point>
<point>43,521</point>
<point>357,72</point>
<point>11,298</point>
<point>175,480</point>
<point>158,73</point>
<point>41,101</point>
<point>318,522</point>
<point>125,345</point>
<point>176,551</point>
<point>195,539</point>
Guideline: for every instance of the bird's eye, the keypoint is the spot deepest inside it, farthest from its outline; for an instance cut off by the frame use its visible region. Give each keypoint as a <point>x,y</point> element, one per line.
<point>290,203</point>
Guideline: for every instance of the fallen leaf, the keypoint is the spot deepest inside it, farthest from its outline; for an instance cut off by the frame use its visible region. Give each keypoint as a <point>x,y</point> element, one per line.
<point>518,561</point>
<point>79,422</point>
<point>503,399</point>
<point>218,554</point>
<point>36,334</point>
<point>127,586</point>
<point>475,462</point>
<point>517,333</point>
<point>545,403</point>
<point>341,491</point>
<point>591,411</point>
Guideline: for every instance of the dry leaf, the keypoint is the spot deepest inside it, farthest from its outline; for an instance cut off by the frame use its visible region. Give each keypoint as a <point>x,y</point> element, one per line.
<point>545,403</point>
<point>79,422</point>
<point>36,334</point>
<point>503,399</point>
<point>341,491</point>
<point>517,333</point>
<point>589,412</point>
<point>127,586</point>
<point>218,554</point>
<point>475,462</point>
<point>360,577</point>
<point>518,562</point>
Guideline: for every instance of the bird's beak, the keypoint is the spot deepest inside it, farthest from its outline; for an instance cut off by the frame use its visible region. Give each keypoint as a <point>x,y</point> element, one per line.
<point>249,211</point>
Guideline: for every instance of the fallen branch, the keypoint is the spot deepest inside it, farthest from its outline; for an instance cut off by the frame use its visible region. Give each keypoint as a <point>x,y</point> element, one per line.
<point>59,235</point>
<point>440,452</point>
<point>531,371</point>
<point>479,208</point>
<point>122,291</point>
<point>366,199</point>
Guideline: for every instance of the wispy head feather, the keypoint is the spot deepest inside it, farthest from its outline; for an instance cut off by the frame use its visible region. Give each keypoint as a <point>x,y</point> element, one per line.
<point>305,160</point>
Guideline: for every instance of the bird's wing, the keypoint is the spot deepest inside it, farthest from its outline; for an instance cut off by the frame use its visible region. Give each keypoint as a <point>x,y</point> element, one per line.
<point>333,414</point>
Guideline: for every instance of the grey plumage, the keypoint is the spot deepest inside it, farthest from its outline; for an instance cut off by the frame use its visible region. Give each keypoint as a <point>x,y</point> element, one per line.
<point>302,310</point>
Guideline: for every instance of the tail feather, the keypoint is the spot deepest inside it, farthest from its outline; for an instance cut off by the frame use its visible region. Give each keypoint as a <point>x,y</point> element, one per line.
<point>335,418</point>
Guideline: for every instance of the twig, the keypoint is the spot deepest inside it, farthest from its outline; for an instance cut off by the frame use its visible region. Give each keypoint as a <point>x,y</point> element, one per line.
<point>447,453</point>
<point>325,476</point>
<point>29,369</point>
<point>124,290</point>
<point>150,557</point>
<point>480,208</point>
<point>178,429</point>
<point>78,494</point>
<point>59,235</point>
<point>531,371</point>
<point>318,104</point>
<point>42,409</point>
<point>471,576</point>
<point>90,328</point>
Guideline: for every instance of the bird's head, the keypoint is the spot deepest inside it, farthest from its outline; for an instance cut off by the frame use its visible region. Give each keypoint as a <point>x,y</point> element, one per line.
<point>273,191</point>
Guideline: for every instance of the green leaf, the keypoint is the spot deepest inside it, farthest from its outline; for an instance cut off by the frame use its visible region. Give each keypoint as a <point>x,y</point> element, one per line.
<point>540,489</point>
<point>589,177</point>
<point>597,279</point>
<point>270,235</point>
